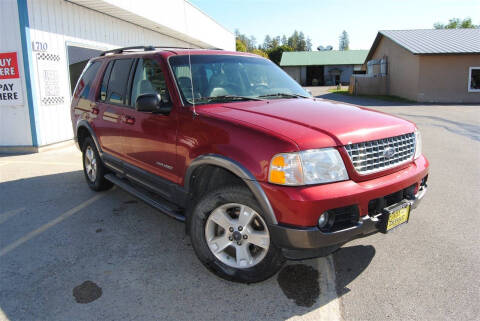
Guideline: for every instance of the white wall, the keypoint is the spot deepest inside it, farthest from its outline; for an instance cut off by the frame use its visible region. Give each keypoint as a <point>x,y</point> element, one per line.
<point>57,23</point>
<point>172,17</point>
<point>14,120</point>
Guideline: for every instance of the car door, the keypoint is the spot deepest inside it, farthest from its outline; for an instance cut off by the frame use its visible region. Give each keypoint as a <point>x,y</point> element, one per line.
<point>150,138</point>
<point>112,103</point>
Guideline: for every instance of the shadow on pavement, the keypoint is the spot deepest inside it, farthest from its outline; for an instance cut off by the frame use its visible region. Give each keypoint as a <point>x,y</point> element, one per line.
<point>117,258</point>
<point>350,262</point>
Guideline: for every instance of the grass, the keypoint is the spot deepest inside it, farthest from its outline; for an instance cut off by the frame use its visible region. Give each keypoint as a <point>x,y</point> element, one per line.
<point>339,91</point>
<point>380,97</point>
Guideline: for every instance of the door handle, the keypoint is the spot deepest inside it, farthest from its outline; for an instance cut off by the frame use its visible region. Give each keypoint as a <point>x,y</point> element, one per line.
<point>129,120</point>
<point>94,109</point>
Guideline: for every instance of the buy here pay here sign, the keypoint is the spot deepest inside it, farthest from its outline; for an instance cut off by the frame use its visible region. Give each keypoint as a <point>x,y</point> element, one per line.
<point>10,82</point>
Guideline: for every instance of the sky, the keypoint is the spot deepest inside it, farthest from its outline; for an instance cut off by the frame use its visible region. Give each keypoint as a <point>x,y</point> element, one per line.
<point>324,20</point>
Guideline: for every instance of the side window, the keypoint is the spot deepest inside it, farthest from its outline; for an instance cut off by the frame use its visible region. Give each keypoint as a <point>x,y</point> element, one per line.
<point>117,81</point>
<point>149,79</point>
<point>86,79</point>
<point>474,79</point>
<point>106,76</point>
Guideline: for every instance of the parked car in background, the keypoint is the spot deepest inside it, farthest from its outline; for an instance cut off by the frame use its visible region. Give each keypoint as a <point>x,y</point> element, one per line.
<point>258,170</point>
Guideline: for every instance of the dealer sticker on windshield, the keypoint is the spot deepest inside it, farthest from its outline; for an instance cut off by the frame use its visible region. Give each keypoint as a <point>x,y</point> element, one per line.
<point>398,216</point>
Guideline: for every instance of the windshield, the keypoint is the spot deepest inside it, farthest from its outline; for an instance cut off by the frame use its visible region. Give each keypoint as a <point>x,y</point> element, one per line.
<point>231,78</point>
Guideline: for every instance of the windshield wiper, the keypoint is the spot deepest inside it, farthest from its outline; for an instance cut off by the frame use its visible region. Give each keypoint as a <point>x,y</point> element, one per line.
<point>283,95</point>
<point>226,97</point>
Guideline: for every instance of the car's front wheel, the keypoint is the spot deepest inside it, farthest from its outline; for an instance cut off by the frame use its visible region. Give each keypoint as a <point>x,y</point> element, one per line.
<point>231,238</point>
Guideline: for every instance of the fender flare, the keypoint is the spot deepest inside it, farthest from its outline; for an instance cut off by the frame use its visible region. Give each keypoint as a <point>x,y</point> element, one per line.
<point>240,171</point>
<point>86,124</point>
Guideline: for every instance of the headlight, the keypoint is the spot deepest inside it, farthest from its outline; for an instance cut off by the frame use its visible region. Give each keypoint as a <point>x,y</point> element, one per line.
<point>314,166</point>
<point>418,144</point>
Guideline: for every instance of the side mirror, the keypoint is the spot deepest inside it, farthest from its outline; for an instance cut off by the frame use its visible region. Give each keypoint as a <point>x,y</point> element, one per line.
<point>151,103</point>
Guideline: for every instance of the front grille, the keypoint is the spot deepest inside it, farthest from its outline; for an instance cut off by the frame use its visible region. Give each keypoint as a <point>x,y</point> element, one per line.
<point>376,206</point>
<point>369,157</point>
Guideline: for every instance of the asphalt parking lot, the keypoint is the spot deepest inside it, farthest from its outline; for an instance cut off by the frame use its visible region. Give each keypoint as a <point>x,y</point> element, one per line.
<point>67,253</point>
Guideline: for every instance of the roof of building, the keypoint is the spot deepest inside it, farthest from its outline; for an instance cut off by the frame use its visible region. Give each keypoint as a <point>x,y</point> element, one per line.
<point>332,57</point>
<point>432,41</point>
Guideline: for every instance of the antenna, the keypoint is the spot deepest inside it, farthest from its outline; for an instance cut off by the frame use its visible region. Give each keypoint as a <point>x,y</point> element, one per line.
<point>189,59</point>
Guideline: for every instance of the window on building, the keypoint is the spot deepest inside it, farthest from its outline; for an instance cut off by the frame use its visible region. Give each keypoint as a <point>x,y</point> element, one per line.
<point>86,80</point>
<point>149,79</point>
<point>474,79</point>
<point>117,81</point>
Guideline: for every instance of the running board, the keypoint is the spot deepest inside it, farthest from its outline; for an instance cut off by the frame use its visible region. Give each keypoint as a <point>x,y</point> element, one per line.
<point>157,204</point>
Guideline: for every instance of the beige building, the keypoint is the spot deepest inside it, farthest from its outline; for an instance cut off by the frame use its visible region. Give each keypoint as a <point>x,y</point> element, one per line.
<point>438,66</point>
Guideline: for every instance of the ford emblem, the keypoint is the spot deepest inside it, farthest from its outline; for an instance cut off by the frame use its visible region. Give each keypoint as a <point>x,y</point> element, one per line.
<point>388,152</point>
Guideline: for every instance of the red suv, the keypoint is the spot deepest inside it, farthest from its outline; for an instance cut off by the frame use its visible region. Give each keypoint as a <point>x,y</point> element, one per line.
<point>258,169</point>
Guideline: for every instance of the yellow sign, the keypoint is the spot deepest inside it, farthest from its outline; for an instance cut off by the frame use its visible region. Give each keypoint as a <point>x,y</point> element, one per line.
<point>398,217</point>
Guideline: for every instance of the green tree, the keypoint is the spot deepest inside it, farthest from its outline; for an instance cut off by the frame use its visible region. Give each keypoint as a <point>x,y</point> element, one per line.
<point>456,23</point>
<point>309,44</point>
<point>344,42</point>
<point>298,42</point>
<point>260,52</point>
<point>275,54</point>
<point>240,46</point>
<point>267,43</point>
<point>250,42</point>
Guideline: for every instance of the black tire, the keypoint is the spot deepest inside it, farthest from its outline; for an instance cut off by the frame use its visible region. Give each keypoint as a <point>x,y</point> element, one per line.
<point>268,266</point>
<point>99,183</point>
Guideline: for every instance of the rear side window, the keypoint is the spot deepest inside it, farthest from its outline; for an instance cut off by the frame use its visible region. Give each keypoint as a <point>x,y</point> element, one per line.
<point>117,81</point>
<point>106,76</point>
<point>85,83</point>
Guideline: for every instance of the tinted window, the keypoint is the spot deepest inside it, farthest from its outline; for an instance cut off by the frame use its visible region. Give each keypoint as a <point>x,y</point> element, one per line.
<point>106,76</point>
<point>117,82</point>
<point>86,80</point>
<point>224,75</point>
<point>148,79</point>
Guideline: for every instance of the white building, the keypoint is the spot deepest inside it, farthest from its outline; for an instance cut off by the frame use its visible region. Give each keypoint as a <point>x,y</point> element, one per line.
<point>51,40</point>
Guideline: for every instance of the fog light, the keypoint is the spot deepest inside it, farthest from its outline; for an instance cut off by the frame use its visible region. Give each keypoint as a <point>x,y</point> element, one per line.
<point>323,220</point>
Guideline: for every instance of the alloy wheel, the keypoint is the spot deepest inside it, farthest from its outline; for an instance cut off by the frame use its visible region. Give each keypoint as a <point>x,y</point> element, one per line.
<point>237,235</point>
<point>90,164</point>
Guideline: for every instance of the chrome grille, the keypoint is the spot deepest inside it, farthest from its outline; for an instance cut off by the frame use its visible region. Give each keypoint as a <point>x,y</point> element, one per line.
<point>368,157</point>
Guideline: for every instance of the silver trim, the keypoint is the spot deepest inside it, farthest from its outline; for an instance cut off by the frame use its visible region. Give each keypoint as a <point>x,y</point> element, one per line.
<point>369,157</point>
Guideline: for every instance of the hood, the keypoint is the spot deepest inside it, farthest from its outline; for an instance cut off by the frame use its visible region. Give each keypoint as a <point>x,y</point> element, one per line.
<point>316,123</point>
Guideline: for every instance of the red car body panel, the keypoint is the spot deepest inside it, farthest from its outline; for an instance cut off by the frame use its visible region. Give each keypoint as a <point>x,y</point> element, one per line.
<point>302,206</point>
<point>251,133</point>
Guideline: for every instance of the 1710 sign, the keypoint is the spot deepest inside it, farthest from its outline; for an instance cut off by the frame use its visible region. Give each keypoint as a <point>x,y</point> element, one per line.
<point>39,46</point>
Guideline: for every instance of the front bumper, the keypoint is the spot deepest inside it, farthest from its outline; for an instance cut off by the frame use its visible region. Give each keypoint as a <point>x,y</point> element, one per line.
<point>300,242</point>
<point>312,237</point>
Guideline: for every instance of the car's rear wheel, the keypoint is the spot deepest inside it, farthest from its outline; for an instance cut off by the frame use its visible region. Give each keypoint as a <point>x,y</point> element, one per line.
<point>93,167</point>
<point>231,238</point>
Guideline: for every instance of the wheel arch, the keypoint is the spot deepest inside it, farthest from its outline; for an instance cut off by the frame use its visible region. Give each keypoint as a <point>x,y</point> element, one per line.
<point>236,169</point>
<point>83,130</point>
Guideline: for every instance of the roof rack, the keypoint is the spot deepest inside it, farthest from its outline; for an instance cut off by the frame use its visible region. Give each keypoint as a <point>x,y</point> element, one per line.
<point>148,48</point>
